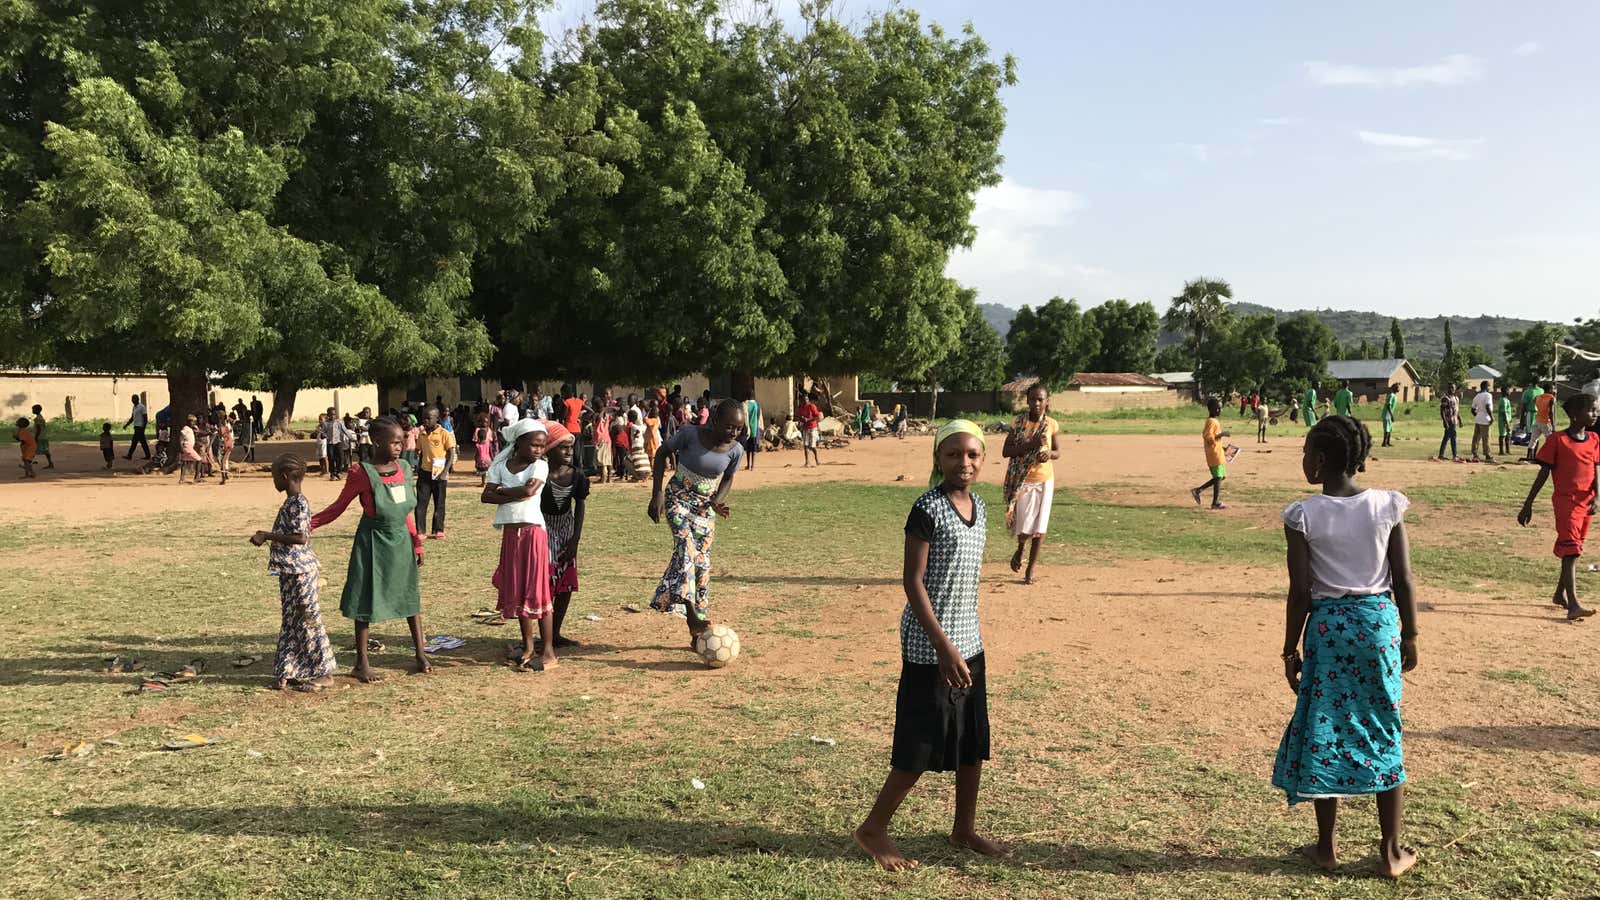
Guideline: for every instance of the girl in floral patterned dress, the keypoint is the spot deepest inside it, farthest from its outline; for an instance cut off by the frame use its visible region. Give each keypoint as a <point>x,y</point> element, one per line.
<point>305,657</point>
<point>1350,603</point>
<point>708,457</point>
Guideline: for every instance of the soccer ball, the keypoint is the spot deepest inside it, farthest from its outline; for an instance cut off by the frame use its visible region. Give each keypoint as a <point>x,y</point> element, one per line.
<point>717,645</point>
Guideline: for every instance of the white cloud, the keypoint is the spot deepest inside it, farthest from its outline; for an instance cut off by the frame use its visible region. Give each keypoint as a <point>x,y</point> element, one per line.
<point>1414,147</point>
<point>1527,48</point>
<point>1455,69</point>
<point>1018,256</point>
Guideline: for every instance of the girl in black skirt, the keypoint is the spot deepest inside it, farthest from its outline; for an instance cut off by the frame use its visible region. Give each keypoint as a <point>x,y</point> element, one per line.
<point>941,712</point>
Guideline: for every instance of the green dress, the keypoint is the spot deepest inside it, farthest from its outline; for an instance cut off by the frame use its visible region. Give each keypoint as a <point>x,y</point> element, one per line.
<point>1389,401</point>
<point>382,584</point>
<point>1342,401</point>
<point>1308,406</point>
<point>1502,415</point>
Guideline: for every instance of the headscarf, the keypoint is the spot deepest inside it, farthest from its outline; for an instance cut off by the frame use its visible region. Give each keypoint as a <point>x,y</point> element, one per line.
<point>556,433</point>
<point>511,433</point>
<point>946,431</point>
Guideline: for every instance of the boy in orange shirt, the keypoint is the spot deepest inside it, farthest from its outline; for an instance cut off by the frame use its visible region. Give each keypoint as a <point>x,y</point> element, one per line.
<point>29,447</point>
<point>1570,458</point>
<point>1212,437</point>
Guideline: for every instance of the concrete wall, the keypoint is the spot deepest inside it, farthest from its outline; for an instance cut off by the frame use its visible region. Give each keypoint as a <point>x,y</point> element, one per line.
<point>1079,401</point>
<point>96,396</point>
<point>920,403</point>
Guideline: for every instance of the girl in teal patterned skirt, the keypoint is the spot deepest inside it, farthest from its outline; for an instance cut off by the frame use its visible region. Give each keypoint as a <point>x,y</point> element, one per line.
<point>1350,603</point>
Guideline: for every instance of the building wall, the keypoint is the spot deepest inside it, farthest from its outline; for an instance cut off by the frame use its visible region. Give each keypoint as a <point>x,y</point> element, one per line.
<point>920,403</point>
<point>96,396</point>
<point>776,395</point>
<point>1084,401</point>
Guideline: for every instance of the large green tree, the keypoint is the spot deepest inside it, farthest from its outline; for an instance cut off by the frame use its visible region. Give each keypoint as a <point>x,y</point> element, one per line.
<point>289,193</point>
<point>1529,351</point>
<point>1128,334</point>
<point>1397,339</point>
<point>1202,307</point>
<point>1246,355</point>
<point>804,188</point>
<point>978,361</point>
<point>1306,343</point>
<point>1053,342</point>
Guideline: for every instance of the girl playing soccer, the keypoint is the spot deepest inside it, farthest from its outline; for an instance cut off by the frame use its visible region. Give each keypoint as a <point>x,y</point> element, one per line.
<point>387,551</point>
<point>522,579</point>
<point>1350,602</point>
<point>1030,488</point>
<point>305,658</point>
<point>941,719</point>
<point>562,503</point>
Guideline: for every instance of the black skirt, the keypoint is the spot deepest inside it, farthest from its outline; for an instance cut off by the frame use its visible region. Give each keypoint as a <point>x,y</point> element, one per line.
<point>938,728</point>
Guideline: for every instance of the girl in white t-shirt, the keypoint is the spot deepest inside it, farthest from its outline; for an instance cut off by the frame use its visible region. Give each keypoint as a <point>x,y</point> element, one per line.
<point>522,578</point>
<point>1350,602</point>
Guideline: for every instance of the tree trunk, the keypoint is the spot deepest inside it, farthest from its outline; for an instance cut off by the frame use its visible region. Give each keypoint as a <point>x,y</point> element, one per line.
<point>187,397</point>
<point>282,409</point>
<point>1199,361</point>
<point>742,384</point>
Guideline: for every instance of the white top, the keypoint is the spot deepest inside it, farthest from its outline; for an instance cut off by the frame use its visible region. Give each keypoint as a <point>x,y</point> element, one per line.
<point>522,512</point>
<point>1349,538</point>
<point>139,417</point>
<point>1483,408</point>
<point>510,413</point>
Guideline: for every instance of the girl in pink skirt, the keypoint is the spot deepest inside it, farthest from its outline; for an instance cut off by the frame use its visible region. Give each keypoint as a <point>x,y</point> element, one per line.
<point>514,482</point>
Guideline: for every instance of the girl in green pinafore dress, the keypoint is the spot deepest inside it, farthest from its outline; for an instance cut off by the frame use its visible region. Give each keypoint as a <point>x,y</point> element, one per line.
<point>387,551</point>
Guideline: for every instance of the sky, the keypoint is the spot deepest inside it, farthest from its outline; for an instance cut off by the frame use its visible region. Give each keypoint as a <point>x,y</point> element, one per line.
<point>1413,159</point>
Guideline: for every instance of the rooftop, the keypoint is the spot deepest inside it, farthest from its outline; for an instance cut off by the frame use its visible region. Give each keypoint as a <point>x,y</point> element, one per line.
<point>1365,369</point>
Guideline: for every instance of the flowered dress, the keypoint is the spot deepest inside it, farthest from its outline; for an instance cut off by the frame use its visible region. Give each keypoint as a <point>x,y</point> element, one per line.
<point>304,652</point>
<point>687,580</point>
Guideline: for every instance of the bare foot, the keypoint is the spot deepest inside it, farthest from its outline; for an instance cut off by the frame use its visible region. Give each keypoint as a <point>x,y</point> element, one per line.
<point>1016,560</point>
<point>324,681</point>
<point>1028,578</point>
<point>1575,613</point>
<point>365,675</point>
<point>1558,601</point>
<point>882,849</point>
<point>423,667</point>
<point>550,661</point>
<point>280,684</point>
<point>977,843</point>
<point>1327,862</point>
<point>1398,864</point>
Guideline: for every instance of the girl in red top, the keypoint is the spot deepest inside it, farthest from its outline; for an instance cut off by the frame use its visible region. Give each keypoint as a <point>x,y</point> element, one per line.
<point>382,582</point>
<point>1570,457</point>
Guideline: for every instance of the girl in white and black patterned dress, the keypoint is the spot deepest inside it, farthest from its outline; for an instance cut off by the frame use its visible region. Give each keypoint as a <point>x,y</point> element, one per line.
<point>565,494</point>
<point>942,707</point>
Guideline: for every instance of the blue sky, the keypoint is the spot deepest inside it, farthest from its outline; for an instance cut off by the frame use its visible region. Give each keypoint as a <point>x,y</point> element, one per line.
<point>1415,158</point>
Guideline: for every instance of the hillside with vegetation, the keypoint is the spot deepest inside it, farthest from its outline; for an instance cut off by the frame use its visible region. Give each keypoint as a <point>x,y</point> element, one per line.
<point>1424,336</point>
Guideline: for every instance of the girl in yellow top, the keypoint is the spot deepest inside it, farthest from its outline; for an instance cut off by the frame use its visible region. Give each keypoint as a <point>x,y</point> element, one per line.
<point>1212,438</point>
<point>1030,488</point>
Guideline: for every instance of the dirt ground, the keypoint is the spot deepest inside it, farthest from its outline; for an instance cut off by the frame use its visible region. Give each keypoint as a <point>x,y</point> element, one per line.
<point>1187,651</point>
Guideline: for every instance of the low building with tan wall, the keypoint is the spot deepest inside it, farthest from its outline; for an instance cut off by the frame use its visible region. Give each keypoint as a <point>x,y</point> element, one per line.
<point>106,395</point>
<point>776,395</point>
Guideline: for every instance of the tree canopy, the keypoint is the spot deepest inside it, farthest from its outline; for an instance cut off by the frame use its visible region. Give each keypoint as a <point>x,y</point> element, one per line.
<point>978,360</point>
<point>1199,309</point>
<point>1053,342</point>
<point>1128,334</point>
<point>1306,343</point>
<point>1528,352</point>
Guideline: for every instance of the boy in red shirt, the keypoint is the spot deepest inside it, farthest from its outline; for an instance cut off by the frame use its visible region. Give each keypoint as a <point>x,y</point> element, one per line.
<point>1571,457</point>
<point>810,424</point>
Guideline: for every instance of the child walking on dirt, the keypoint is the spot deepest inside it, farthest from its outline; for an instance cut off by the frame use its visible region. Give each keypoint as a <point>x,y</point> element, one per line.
<point>1212,437</point>
<point>941,719</point>
<point>29,448</point>
<point>304,661</point>
<point>1030,486</point>
<point>41,435</point>
<point>1570,458</point>
<point>522,578</point>
<point>387,551</point>
<point>108,448</point>
<point>1350,604</point>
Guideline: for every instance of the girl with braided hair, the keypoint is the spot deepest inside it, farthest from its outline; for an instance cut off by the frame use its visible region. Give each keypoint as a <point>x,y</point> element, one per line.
<point>1350,604</point>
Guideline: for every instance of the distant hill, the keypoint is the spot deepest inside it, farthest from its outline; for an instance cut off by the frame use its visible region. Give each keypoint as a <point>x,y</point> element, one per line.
<point>1424,336</point>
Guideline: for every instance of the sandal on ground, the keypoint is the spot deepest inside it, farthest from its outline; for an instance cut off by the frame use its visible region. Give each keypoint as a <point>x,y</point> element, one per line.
<point>190,741</point>
<point>1219,506</point>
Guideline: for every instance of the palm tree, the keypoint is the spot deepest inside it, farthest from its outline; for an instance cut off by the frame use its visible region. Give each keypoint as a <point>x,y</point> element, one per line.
<point>1200,310</point>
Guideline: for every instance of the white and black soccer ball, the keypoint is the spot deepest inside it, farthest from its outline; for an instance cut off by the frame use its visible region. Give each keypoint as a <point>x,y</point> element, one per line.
<point>717,645</point>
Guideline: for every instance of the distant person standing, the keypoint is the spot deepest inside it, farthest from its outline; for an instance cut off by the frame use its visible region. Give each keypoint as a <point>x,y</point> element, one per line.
<point>1530,400</point>
<point>1389,401</point>
<point>1308,405</point>
<point>436,456</point>
<point>257,412</point>
<point>1544,415</point>
<point>1262,415</point>
<point>509,413</point>
<point>138,420</point>
<point>41,436</point>
<point>1502,420</point>
<point>1482,418</point>
<point>1450,418</point>
<point>1343,399</point>
<point>810,432</point>
<point>753,428</point>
